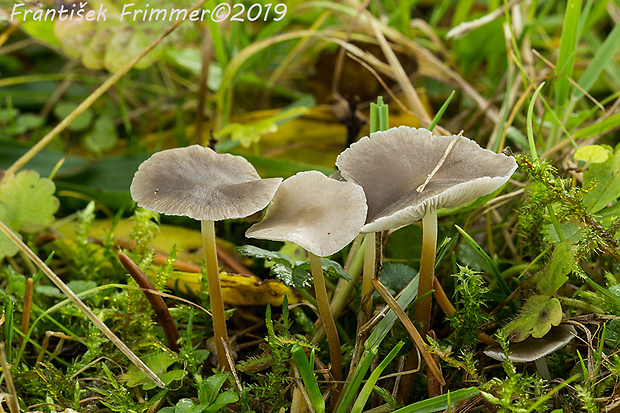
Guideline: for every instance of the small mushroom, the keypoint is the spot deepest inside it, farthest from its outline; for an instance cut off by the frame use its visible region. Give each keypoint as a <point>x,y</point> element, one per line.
<point>408,174</point>
<point>536,349</point>
<point>202,184</point>
<point>322,216</point>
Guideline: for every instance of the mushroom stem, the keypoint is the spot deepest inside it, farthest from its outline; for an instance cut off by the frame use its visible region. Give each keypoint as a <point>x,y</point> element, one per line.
<point>543,369</point>
<point>427,270</point>
<point>215,292</point>
<point>368,274</point>
<point>326,316</point>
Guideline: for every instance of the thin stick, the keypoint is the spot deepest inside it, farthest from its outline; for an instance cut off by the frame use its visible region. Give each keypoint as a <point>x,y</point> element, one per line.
<point>231,362</point>
<point>157,302</point>
<point>92,98</point>
<point>83,307</point>
<point>441,161</point>
<point>322,300</point>
<point>215,293</point>
<point>11,400</point>
<point>413,332</point>
<point>427,269</point>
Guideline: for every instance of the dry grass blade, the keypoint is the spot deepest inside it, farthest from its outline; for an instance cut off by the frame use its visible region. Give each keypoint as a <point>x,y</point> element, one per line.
<point>12,399</point>
<point>83,307</point>
<point>465,27</point>
<point>413,332</point>
<point>400,75</point>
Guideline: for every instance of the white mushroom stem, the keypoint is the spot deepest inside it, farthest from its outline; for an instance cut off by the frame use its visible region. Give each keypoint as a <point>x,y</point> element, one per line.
<point>322,300</point>
<point>368,273</point>
<point>543,369</point>
<point>215,292</point>
<point>427,269</point>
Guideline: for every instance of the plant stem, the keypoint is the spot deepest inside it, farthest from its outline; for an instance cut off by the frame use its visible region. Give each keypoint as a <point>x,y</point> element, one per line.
<point>344,288</point>
<point>215,292</point>
<point>326,317</point>
<point>26,310</point>
<point>427,270</point>
<point>368,274</point>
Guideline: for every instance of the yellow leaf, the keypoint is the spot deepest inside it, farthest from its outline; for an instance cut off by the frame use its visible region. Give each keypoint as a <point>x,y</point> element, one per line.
<point>237,290</point>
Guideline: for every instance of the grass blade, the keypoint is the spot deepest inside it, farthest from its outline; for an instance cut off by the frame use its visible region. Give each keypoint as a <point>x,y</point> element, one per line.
<point>597,128</point>
<point>568,45</point>
<point>372,380</point>
<point>356,380</point>
<point>530,112</point>
<point>442,402</point>
<point>599,62</point>
<point>439,114</point>
<point>307,375</point>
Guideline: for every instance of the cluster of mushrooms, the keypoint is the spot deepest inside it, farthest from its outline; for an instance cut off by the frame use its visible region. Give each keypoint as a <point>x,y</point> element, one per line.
<point>388,180</point>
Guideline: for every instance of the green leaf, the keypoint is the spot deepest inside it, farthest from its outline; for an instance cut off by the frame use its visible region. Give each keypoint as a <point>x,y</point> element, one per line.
<point>396,276</point>
<point>222,400</point>
<point>330,268</point>
<point>334,269</point>
<point>27,121</point>
<point>536,317</point>
<point>102,137</point>
<point>29,200</point>
<point>185,406</point>
<point>591,154</point>
<point>79,286</point>
<point>159,364</point>
<point>606,175</point>
<point>210,388</point>
<point>555,275</point>
<point>7,247</point>
<point>27,204</point>
<point>262,254</point>
<point>82,122</point>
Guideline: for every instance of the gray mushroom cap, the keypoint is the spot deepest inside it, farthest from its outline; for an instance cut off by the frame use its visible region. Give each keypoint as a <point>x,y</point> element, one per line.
<point>391,166</point>
<point>202,184</point>
<point>532,349</point>
<point>317,213</point>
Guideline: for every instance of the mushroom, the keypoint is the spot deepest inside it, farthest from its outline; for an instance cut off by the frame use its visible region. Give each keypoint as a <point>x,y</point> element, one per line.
<point>202,184</point>
<point>408,174</point>
<point>536,349</point>
<point>322,216</point>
